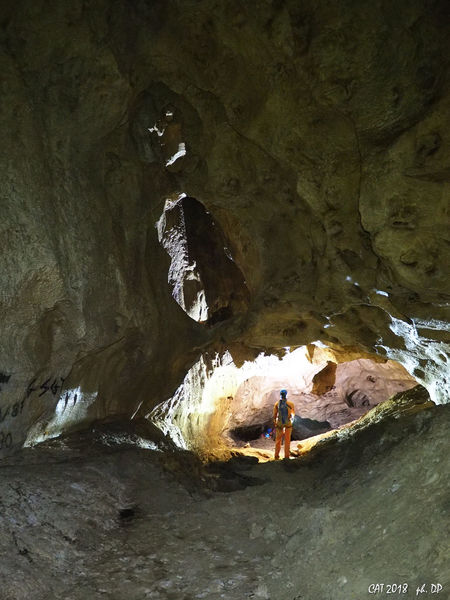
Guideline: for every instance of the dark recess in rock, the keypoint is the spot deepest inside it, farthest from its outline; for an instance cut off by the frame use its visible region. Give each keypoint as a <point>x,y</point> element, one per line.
<point>225,290</point>
<point>304,428</point>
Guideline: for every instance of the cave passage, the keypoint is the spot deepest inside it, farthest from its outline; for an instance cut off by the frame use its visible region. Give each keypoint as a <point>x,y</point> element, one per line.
<point>221,406</point>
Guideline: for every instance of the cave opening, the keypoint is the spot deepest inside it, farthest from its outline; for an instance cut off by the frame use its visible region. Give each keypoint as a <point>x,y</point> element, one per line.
<point>222,409</point>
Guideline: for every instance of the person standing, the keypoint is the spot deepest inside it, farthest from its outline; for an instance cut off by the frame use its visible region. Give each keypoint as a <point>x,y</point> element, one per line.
<point>283,417</point>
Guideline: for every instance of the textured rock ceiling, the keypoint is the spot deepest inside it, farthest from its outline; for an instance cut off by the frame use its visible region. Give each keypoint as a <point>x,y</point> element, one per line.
<point>315,134</point>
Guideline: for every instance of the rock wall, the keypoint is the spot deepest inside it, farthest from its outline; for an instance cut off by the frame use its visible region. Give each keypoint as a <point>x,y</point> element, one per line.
<point>316,135</point>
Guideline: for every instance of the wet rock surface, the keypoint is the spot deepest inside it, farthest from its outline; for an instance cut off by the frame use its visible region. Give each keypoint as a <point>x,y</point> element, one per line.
<point>118,522</point>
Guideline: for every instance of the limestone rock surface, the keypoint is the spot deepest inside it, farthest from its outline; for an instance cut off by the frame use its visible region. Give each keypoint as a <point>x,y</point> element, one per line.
<point>316,135</point>
<point>98,520</point>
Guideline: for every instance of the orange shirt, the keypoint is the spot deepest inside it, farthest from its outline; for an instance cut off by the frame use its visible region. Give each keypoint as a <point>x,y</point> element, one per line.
<point>291,413</point>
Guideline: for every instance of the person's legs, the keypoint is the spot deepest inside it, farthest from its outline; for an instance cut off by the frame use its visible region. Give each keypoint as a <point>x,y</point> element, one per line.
<point>278,438</point>
<point>287,442</point>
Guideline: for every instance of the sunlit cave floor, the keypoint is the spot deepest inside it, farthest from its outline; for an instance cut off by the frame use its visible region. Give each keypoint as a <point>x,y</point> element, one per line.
<point>263,448</point>
<point>84,520</point>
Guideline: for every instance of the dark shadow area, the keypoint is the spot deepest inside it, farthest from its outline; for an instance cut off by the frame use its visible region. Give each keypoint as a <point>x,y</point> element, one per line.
<point>301,430</point>
<point>250,432</point>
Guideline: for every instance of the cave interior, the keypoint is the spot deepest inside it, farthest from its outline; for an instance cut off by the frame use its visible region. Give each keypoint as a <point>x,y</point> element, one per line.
<point>204,203</point>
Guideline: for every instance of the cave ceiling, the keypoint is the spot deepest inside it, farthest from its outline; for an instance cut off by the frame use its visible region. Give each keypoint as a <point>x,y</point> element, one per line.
<point>314,134</point>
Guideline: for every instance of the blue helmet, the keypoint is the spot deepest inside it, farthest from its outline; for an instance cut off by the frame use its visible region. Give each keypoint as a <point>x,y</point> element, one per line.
<point>283,393</point>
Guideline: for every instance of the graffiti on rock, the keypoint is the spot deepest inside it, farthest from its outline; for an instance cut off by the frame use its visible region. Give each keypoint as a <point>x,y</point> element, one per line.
<point>5,440</point>
<point>45,386</point>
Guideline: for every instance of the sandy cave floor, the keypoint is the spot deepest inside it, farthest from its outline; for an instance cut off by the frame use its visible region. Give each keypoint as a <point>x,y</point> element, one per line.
<point>85,520</point>
<point>264,448</point>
